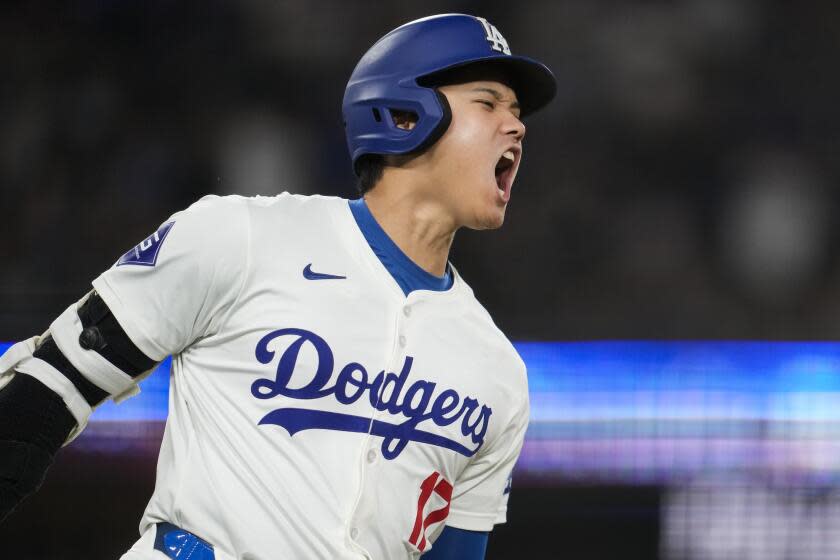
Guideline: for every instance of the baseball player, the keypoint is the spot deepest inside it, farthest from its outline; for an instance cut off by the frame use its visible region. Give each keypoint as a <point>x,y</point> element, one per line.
<point>337,391</point>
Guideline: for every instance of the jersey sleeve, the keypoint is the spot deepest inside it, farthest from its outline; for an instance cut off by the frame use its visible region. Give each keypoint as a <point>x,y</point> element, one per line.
<point>179,284</point>
<point>480,495</point>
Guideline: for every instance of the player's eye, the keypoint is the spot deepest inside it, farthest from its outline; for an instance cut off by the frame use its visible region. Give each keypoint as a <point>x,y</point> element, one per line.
<point>489,104</point>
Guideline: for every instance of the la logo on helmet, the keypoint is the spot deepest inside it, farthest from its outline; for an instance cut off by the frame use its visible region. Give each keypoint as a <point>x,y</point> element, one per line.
<point>496,40</point>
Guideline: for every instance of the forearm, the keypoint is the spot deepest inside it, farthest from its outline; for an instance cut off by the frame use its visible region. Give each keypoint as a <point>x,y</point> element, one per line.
<point>34,423</point>
<point>458,544</point>
<point>57,381</point>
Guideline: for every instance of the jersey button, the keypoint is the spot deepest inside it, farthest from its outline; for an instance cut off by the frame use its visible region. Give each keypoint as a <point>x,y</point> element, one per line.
<point>402,340</point>
<point>371,455</point>
<point>407,310</point>
<point>354,533</point>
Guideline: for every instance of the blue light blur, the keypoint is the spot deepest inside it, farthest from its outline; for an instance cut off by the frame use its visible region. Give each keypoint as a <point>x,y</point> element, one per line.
<point>645,411</point>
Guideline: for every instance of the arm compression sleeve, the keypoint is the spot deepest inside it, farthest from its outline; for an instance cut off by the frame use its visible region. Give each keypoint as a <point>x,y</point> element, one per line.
<point>34,423</point>
<point>458,544</point>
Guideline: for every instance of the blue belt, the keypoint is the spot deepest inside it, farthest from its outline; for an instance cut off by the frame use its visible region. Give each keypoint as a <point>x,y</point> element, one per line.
<point>179,544</point>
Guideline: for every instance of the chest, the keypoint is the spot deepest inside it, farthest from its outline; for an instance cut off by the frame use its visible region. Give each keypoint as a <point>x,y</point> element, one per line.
<point>321,342</point>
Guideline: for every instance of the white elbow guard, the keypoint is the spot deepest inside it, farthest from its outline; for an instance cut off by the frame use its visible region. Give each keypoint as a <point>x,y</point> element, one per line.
<point>85,357</point>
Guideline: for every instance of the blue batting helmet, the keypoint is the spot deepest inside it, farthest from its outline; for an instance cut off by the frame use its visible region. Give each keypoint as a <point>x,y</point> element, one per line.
<point>399,71</point>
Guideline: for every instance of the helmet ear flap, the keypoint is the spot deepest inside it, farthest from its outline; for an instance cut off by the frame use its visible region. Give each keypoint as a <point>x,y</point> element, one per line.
<point>441,126</point>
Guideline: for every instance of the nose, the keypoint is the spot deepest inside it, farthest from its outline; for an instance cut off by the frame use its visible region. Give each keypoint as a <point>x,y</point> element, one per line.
<point>514,127</point>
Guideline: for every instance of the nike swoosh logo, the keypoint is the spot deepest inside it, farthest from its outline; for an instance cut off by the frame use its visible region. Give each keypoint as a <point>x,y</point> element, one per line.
<point>309,274</point>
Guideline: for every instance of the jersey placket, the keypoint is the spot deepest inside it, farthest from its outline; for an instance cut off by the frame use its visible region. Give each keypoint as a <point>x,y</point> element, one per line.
<point>370,450</point>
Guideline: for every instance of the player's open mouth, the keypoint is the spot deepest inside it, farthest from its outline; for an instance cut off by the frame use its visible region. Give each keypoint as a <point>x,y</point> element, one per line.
<point>504,173</point>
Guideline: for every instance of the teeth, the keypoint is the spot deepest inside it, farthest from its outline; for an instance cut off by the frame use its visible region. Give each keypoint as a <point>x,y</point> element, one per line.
<point>506,161</point>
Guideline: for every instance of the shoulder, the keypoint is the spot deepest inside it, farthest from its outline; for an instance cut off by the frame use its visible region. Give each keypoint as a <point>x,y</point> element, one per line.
<point>212,205</point>
<point>500,348</point>
<point>211,211</point>
<point>291,203</point>
<point>230,215</point>
<point>481,317</point>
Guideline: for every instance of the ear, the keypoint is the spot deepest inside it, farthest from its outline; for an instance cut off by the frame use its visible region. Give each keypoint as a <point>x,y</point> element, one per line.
<point>405,120</point>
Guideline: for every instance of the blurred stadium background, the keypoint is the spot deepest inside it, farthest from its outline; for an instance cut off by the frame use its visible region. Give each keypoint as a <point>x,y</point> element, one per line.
<point>668,269</point>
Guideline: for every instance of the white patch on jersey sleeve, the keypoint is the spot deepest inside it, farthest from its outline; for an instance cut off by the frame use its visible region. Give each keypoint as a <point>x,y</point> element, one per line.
<point>195,280</point>
<point>479,499</point>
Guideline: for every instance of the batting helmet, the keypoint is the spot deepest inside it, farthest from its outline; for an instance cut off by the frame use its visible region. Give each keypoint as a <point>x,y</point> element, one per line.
<point>399,73</point>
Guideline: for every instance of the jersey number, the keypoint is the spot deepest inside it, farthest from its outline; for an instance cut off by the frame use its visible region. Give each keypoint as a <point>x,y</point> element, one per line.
<point>434,484</point>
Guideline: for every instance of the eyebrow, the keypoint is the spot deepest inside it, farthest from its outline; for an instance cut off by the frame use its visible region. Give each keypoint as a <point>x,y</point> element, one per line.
<point>497,95</point>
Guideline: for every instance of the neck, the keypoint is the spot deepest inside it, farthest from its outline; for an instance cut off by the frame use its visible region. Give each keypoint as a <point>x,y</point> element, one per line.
<point>418,224</point>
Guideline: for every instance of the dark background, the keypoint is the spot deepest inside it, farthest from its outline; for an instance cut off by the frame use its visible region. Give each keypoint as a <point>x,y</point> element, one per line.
<point>681,186</point>
<point>90,506</point>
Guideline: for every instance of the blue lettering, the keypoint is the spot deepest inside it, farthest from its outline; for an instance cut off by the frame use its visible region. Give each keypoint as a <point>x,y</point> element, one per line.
<point>467,409</point>
<point>375,394</point>
<point>422,388</point>
<point>267,388</point>
<point>345,378</point>
<point>389,402</point>
<point>483,419</point>
<point>445,403</point>
<point>387,392</point>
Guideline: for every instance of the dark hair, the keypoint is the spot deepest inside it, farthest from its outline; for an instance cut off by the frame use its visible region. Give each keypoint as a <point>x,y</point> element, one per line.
<point>369,169</point>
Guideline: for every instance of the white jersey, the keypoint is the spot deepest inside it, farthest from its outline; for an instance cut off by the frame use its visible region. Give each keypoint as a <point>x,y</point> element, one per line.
<point>315,411</point>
